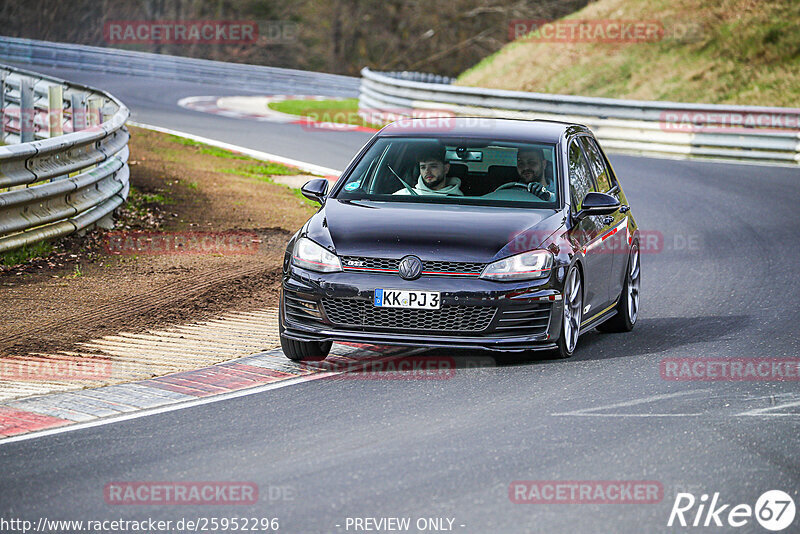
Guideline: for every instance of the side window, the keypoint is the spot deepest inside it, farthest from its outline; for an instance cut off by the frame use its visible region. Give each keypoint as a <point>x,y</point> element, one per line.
<point>601,174</point>
<point>580,179</point>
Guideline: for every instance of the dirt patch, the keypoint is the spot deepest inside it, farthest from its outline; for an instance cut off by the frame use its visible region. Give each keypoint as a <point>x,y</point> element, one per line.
<point>231,223</point>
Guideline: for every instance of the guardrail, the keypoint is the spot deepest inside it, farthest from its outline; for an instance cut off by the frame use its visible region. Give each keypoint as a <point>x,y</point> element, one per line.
<point>130,63</point>
<point>63,166</point>
<point>664,129</point>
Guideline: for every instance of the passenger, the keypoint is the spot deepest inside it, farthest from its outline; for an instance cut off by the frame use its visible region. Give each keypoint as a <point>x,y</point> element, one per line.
<point>531,165</point>
<point>433,179</point>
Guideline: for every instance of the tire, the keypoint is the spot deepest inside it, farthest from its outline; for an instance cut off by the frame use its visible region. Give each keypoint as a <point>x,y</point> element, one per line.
<point>628,305</point>
<point>305,351</point>
<point>573,312</point>
<point>299,351</point>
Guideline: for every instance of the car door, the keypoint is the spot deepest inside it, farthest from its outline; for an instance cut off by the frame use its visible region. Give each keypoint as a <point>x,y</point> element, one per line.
<point>586,233</point>
<point>615,237</point>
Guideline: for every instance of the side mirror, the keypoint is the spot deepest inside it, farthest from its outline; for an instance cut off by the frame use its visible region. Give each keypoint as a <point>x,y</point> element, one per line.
<point>315,190</point>
<point>595,203</point>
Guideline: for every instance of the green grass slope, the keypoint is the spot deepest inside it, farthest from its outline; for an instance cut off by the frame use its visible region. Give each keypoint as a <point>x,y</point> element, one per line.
<point>736,52</point>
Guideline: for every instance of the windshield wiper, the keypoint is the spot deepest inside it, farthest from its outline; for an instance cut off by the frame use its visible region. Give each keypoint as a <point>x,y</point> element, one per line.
<point>401,181</point>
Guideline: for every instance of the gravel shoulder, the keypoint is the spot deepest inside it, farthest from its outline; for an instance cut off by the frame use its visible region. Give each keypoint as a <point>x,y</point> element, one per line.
<point>203,233</point>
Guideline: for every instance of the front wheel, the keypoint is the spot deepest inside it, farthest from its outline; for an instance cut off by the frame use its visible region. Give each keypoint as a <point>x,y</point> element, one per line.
<point>573,311</point>
<point>298,351</point>
<point>308,351</point>
<point>628,305</point>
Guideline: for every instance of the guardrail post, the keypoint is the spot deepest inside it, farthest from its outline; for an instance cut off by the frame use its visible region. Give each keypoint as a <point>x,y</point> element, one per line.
<point>3,75</point>
<point>93,118</point>
<point>78,105</point>
<point>55,110</point>
<point>26,111</point>
<point>106,111</point>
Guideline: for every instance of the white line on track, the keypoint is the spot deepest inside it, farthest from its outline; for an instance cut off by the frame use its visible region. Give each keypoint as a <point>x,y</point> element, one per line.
<point>763,411</point>
<point>586,412</point>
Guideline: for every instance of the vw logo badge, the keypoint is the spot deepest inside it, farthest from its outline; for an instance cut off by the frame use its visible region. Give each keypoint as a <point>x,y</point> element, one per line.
<point>410,267</point>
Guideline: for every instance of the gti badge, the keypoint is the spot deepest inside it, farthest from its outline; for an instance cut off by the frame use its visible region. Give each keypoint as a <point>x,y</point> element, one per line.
<point>410,267</point>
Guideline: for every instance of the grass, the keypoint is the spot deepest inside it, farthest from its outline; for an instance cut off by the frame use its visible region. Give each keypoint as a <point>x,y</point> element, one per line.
<point>76,273</point>
<point>208,149</point>
<point>265,173</point>
<point>25,253</point>
<point>735,52</point>
<point>137,201</point>
<point>262,172</point>
<point>343,111</point>
<point>155,198</point>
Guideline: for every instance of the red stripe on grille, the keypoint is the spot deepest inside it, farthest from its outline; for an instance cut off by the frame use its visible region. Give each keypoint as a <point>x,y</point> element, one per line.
<point>370,269</point>
<point>447,272</point>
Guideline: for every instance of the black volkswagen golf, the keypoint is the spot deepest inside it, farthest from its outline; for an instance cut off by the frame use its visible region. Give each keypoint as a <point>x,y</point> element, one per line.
<point>496,234</point>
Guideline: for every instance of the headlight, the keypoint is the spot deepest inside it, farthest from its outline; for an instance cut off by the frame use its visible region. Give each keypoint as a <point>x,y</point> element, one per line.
<point>313,257</point>
<point>526,266</point>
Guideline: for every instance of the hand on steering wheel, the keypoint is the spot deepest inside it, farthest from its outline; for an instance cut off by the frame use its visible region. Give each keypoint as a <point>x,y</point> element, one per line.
<point>534,187</point>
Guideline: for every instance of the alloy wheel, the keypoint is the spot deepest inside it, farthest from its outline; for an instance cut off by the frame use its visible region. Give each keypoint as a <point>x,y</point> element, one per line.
<point>573,309</point>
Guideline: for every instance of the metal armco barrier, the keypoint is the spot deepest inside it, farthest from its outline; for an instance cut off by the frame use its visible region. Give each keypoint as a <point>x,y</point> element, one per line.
<point>63,166</point>
<point>271,80</point>
<point>625,126</point>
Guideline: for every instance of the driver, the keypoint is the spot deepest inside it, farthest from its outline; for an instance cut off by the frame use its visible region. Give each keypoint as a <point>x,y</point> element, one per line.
<point>531,165</point>
<point>433,179</point>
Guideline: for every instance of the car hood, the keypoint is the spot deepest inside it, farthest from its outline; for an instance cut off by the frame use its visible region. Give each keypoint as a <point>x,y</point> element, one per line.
<point>430,231</point>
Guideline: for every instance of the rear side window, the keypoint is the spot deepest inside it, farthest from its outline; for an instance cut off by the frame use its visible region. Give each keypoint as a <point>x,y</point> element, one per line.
<point>601,174</point>
<point>580,179</point>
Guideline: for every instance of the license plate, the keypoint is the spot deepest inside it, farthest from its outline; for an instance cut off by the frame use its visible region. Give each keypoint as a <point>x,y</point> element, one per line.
<point>398,298</point>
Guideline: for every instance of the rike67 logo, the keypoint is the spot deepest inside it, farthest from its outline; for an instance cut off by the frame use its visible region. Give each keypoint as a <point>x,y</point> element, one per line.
<point>774,510</point>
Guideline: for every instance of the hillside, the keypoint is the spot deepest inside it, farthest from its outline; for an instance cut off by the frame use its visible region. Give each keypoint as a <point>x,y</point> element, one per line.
<point>735,52</point>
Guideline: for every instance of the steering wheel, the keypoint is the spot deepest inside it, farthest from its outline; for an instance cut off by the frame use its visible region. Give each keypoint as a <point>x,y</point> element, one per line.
<point>534,187</point>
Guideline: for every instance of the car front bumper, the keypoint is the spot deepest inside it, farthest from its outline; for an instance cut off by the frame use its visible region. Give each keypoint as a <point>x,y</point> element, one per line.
<point>510,316</point>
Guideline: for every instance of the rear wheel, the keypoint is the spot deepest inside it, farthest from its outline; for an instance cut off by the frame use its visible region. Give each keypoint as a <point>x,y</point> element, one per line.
<point>573,311</point>
<point>309,351</point>
<point>628,305</point>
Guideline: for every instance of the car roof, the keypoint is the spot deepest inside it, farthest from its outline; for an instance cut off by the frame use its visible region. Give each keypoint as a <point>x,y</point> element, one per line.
<point>538,131</point>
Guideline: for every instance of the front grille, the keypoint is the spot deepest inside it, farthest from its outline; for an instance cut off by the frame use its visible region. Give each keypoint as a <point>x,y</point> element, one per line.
<point>360,262</point>
<point>301,310</point>
<point>362,314</point>
<point>529,319</point>
<point>448,267</point>
<point>429,268</point>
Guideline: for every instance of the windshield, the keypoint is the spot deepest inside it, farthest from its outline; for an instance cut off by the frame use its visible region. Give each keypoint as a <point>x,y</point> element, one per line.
<point>463,171</point>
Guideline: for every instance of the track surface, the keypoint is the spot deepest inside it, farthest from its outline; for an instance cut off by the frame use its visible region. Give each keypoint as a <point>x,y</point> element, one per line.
<point>724,285</point>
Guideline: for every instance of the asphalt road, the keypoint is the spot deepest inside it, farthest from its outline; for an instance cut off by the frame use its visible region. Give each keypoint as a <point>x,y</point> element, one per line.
<point>723,284</point>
